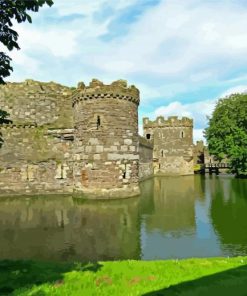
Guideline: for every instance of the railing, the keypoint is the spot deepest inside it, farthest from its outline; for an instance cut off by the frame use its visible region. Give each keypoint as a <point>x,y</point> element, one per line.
<point>210,168</point>
<point>216,165</point>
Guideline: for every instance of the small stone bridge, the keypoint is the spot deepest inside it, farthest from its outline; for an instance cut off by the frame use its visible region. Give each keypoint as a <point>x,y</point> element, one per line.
<point>213,167</point>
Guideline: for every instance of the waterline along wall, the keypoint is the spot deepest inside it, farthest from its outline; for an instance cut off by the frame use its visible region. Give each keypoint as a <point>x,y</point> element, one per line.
<point>64,140</point>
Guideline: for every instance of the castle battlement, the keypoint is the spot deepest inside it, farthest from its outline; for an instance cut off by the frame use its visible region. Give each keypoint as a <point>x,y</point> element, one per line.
<point>171,121</point>
<point>19,126</point>
<point>32,86</point>
<point>98,90</point>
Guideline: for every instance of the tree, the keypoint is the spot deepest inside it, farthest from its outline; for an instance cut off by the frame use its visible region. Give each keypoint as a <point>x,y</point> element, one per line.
<point>227,132</point>
<point>3,119</point>
<point>18,10</point>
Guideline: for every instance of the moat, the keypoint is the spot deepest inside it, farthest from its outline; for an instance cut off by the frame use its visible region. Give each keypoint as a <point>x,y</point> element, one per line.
<point>176,217</point>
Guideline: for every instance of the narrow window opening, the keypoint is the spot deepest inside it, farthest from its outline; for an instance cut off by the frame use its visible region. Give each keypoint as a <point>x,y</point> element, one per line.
<point>27,174</point>
<point>148,136</point>
<point>125,220</point>
<point>124,173</point>
<point>159,166</point>
<point>62,176</point>
<point>162,153</point>
<point>182,134</point>
<point>98,122</point>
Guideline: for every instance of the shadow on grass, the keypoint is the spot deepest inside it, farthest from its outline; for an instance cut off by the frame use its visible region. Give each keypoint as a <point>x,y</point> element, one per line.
<point>232,282</point>
<point>24,274</point>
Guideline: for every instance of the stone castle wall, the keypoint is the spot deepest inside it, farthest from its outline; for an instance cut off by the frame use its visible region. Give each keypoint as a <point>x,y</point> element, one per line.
<point>85,140</point>
<point>199,152</point>
<point>173,144</point>
<point>39,103</point>
<point>106,139</point>
<point>66,139</point>
<point>37,153</point>
<point>35,160</point>
<point>146,158</point>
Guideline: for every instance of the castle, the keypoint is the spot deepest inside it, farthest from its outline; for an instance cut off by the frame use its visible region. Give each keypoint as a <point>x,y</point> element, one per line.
<point>173,144</point>
<point>85,140</point>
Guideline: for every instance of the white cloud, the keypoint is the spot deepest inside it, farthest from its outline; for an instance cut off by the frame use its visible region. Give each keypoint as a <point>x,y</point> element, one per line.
<point>198,111</point>
<point>182,41</point>
<point>180,38</point>
<point>198,135</point>
<point>234,90</point>
<point>163,91</point>
<point>87,8</point>
<point>59,42</point>
<point>171,48</point>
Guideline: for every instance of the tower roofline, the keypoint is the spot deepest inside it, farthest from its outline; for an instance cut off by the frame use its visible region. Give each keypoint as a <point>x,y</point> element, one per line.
<point>171,121</point>
<point>98,90</point>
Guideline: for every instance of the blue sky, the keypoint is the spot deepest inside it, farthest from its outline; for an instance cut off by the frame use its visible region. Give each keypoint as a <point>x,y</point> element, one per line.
<point>182,54</point>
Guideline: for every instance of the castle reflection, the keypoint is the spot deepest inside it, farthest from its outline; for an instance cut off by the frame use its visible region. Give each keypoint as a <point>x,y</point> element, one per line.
<point>169,204</point>
<point>66,229</point>
<point>174,217</point>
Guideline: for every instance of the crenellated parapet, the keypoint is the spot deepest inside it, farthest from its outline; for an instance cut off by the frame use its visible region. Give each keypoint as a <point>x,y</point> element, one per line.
<point>18,126</point>
<point>171,121</point>
<point>98,90</point>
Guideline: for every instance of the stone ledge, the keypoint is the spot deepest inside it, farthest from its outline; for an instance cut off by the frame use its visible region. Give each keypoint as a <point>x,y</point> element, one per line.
<point>113,193</point>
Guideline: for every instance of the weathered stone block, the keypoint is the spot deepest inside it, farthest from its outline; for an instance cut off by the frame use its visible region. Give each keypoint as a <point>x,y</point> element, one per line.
<point>127,141</point>
<point>97,157</point>
<point>124,148</point>
<point>99,148</point>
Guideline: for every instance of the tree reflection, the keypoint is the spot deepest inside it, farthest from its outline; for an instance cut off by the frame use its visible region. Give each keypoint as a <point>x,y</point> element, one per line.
<point>228,212</point>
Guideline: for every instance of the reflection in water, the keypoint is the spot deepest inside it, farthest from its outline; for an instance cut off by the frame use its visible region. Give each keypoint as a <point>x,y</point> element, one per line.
<point>228,212</point>
<point>194,216</point>
<point>173,205</point>
<point>170,230</point>
<point>66,229</point>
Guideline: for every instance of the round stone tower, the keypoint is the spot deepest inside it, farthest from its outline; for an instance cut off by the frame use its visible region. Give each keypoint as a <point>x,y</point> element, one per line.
<point>106,139</point>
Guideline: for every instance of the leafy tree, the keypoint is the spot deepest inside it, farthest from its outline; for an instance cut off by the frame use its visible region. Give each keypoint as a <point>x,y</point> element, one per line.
<point>18,10</point>
<point>3,119</point>
<point>227,132</point>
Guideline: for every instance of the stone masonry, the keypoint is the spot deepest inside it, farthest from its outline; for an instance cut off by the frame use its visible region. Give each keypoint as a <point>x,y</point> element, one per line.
<point>71,140</point>
<point>173,144</point>
<point>85,140</point>
<point>106,139</point>
<point>146,158</point>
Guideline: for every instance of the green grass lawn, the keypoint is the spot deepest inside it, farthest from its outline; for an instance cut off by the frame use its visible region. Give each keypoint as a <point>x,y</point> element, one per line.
<point>213,276</point>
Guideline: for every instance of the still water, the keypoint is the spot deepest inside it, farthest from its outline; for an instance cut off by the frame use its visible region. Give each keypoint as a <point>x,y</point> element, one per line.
<point>176,217</point>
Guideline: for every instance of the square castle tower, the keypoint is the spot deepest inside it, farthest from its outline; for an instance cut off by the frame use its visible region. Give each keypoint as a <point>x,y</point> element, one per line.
<point>173,144</point>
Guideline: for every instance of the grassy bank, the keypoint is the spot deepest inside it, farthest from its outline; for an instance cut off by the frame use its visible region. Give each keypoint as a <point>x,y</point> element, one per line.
<point>214,276</point>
